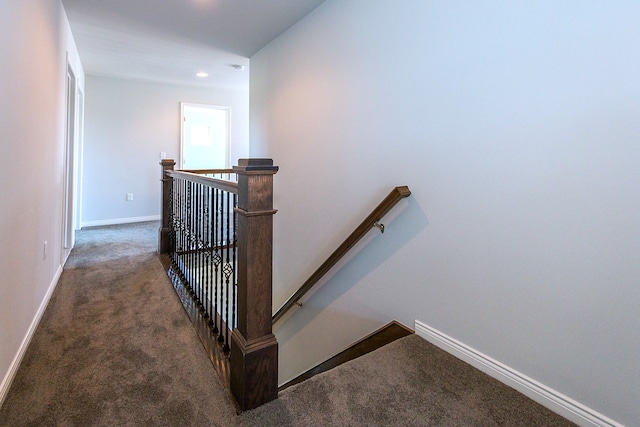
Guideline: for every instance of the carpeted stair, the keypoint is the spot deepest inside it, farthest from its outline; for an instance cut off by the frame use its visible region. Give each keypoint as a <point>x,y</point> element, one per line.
<point>115,348</point>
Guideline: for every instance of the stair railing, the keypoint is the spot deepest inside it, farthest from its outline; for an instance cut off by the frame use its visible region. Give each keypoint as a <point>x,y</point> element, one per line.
<point>217,234</point>
<point>371,221</point>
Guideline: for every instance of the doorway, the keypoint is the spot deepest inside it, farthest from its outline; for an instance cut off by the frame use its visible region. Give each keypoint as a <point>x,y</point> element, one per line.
<point>204,137</point>
<point>68,232</point>
<point>72,163</point>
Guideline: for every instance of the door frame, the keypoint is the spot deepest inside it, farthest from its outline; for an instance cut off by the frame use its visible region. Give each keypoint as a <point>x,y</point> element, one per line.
<point>72,162</point>
<point>182,129</point>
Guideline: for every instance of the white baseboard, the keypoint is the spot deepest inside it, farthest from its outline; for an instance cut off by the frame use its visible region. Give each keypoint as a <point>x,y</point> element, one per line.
<point>15,364</point>
<point>546,396</point>
<point>116,221</point>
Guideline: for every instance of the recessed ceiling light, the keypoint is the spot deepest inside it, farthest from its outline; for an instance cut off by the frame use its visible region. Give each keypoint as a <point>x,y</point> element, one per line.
<point>202,74</point>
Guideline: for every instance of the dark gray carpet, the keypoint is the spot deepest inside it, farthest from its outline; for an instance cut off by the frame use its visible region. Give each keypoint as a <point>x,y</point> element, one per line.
<point>409,382</point>
<point>115,348</point>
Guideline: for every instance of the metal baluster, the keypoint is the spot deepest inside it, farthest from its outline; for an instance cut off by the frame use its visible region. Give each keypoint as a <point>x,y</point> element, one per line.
<point>216,258</point>
<point>203,258</point>
<point>197,252</point>
<point>228,269</point>
<point>201,240</point>
<point>182,226</point>
<point>187,221</point>
<point>213,245</point>
<point>207,255</point>
<point>212,267</point>
<point>190,242</point>
<point>205,251</point>
<point>234,281</point>
<point>172,230</point>
<point>183,234</point>
<point>223,318</point>
<point>177,218</point>
<point>183,231</point>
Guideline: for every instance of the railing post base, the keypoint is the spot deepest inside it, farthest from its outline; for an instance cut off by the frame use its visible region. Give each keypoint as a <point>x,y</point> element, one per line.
<point>252,367</point>
<point>163,232</point>
<point>254,349</point>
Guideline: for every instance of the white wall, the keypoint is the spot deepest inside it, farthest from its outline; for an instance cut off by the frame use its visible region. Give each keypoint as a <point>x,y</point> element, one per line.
<point>34,41</point>
<point>515,124</point>
<point>127,124</point>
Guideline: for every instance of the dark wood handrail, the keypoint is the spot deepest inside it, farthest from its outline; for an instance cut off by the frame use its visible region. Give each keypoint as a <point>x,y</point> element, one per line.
<point>230,186</point>
<point>370,221</point>
<point>253,360</point>
<point>209,171</point>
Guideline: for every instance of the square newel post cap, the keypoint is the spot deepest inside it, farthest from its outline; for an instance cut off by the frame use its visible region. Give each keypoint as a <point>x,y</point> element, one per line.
<point>255,166</point>
<point>167,163</point>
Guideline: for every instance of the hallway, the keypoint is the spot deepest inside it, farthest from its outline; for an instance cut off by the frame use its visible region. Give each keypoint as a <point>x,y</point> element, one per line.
<point>114,346</point>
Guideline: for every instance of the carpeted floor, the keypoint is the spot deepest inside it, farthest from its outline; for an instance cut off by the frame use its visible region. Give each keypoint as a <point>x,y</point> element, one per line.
<point>409,382</point>
<point>115,348</point>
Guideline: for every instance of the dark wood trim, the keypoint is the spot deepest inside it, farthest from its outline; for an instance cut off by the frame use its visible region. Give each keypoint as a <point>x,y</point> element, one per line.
<point>251,372</point>
<point>254,349</point>
<point>383,336</point>
<point>166,166</point>
<point>205,249</point>
<point>209,171</point>
<point>376,215</point>
<point>230,186</point>
<point>219,359</point>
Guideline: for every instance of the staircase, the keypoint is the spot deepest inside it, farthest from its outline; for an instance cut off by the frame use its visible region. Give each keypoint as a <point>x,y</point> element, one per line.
<point>408,382</point>
<point>102,357</point>
<point>216,239</point>
<point>377,339</point>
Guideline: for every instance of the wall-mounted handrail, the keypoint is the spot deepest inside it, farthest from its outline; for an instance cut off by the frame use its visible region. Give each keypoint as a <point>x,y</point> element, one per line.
<point>372,220</point>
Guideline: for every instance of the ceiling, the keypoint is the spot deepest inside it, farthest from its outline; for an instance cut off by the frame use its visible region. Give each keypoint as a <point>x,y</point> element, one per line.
<point>170,40</point>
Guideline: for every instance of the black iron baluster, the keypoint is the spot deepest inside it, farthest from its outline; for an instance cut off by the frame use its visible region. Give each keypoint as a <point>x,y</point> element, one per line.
<point>223,320</point>
<point>192,242</point>
<point>185,226</point>
<point>213,267</point>
<point>182,226</point>
<point>203,240</point>
<point>216,258</point>
<point>171,236</point>
<point>234,281</point>
<point>228,269</point>
<point>177,219</point>
<point>183,234</point>
<point>189,236</point>
<point>197,252</point>
<point>206,253</point>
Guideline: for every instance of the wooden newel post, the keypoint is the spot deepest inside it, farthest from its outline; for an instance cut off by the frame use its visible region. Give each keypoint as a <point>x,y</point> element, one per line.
<point>254,349</point>
<point>163,233</point>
